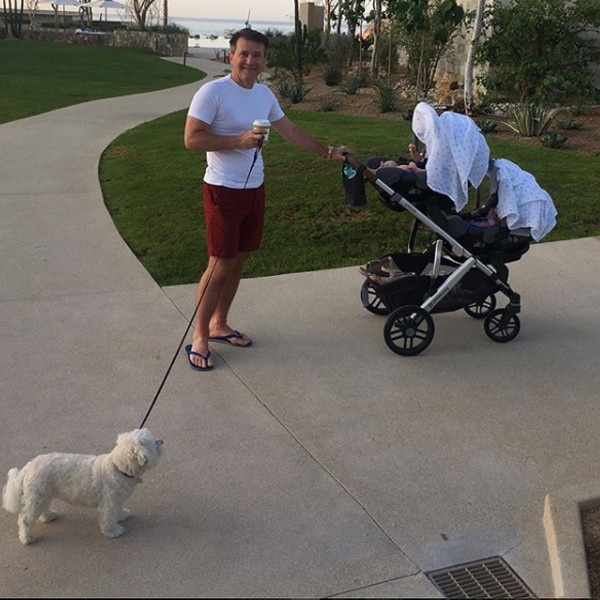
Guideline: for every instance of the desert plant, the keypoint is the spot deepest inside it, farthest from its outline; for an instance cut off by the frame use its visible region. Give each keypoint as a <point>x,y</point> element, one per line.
<point>487,126</point>
<point>570,124</point>
<point>387,97</point>
<point>352,84</point>
<point>553,140</point>
<point>292,88</point>
<point>531,120</point>
<point>328,105</point>
<point>332,75</point>
<point>577,110</point>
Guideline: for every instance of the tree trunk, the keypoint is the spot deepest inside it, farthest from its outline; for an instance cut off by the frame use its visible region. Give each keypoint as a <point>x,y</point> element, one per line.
<point>469,100</point>
<point>13,17</point>
<point>376,37</point>
<point>298,32</point>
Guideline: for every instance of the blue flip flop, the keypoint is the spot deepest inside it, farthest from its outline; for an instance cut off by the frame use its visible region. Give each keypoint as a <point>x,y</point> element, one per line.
<point>205,357</point>
<point>226,339</point>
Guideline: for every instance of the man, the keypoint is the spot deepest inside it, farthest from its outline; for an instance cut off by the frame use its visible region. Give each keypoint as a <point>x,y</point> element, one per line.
<point>219,122</point>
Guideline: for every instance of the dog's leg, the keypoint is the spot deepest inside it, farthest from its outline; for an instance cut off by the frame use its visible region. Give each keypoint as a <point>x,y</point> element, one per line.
<point>26,535</point>
<point>32,507</point>
<point>108,521</point>
<point>48,516</point>
<point>124,515</point>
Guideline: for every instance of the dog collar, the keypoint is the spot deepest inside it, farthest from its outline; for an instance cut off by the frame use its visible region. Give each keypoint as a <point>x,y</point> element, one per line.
<point>122,472</point>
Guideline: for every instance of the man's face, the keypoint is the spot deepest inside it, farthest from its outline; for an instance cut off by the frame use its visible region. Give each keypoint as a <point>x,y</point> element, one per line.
<point>247,61</point>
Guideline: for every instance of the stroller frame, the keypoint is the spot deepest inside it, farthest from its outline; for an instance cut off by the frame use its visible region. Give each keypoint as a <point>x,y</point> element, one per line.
<point>410,328</point>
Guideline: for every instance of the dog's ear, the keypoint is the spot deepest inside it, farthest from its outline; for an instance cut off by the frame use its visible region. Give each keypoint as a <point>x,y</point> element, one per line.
<point>138,454</point>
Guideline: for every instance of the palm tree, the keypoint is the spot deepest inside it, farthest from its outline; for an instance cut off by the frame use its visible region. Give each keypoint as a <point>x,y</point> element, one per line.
<point>165,13</point>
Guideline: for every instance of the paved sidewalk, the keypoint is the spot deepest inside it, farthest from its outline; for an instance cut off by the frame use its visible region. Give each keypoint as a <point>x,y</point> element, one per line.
<point>317,463</point>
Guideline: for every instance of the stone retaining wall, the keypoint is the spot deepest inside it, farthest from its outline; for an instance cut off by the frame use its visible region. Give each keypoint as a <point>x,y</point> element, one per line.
<point>165,44</point>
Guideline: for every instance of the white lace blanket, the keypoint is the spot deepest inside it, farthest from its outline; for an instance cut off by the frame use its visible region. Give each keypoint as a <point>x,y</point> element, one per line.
<point>521,200</point>
<point>457,153</point>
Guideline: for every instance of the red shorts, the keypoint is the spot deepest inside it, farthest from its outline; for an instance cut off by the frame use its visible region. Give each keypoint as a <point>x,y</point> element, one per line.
<point>234,219</point>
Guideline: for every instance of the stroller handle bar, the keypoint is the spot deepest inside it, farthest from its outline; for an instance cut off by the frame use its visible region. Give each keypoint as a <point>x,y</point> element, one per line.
<point>360,168</point>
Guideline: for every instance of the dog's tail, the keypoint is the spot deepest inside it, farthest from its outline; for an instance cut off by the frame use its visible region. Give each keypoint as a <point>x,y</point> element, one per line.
<point>11,495</point>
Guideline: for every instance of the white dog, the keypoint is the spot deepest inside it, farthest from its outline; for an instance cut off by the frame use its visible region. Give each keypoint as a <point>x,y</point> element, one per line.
<point>105,482</point>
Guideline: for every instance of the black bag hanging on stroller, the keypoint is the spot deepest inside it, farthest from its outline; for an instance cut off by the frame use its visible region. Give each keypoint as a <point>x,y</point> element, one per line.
<point>354,185</point>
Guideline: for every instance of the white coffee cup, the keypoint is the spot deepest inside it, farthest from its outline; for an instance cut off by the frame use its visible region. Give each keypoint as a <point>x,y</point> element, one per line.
<point>262,126</point>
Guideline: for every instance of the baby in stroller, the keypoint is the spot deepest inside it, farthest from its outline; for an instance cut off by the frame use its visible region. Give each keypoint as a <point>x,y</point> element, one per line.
<point>458,158</point>
<point>394,171</point>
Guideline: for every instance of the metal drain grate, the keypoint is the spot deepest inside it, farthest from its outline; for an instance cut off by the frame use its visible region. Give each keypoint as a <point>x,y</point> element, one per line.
<point>489,578</point>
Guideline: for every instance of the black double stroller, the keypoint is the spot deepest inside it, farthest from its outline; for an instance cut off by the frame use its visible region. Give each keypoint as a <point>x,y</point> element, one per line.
<point>464,268</point>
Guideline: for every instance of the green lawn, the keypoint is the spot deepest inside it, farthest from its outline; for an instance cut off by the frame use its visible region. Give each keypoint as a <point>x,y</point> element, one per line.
<point>36,77</point>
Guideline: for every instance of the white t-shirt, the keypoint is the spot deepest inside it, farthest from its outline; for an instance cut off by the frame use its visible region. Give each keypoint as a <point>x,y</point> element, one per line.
<point>230,109</point>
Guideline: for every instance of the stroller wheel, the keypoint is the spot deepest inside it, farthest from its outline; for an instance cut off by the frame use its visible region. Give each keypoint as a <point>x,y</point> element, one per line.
<point>500,326</point>
<point>408,330</point>
<point>371,301</point>
<point>480,310</point>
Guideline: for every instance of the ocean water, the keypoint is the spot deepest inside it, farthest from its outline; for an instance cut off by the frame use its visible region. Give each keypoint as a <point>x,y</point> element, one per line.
<point>214,28</point>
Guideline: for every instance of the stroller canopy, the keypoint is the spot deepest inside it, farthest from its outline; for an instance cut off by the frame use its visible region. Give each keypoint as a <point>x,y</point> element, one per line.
<point>457,153</point>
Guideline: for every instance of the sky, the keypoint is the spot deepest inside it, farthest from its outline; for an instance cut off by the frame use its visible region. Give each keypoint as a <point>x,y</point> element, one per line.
<point>270,10</point>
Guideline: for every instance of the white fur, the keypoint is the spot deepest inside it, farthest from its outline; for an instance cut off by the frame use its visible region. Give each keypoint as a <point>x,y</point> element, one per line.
<point>105,482</point>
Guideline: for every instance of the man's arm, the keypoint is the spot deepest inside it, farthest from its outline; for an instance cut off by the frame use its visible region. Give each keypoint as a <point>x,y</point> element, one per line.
<point>197,135</point>
<point>301,138</point>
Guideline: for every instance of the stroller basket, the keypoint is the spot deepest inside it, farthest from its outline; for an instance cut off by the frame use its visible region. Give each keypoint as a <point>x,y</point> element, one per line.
<point>417,283</point>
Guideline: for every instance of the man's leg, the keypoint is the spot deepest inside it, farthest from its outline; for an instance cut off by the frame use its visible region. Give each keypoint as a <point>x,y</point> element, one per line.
<point>215,293</point>
<point>218,325</point>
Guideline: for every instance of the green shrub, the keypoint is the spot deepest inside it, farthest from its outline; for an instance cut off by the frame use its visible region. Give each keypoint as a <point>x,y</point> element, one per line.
<point>531,120</point>
<point>387,98</point>
<point>332,75</point>
<point>534,50</point>
<point>570,124</point>
<point>553,140</point>
<point>577,110</point>
<point>487,126</point>
<point>292,88</point>
<point>354,82</point>
<point>328,105</point>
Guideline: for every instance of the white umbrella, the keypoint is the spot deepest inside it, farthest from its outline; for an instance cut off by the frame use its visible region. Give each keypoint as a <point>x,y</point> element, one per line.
<point>106,4</point>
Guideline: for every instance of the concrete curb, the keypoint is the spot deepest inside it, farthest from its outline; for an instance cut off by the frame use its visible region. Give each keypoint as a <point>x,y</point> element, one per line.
<point>564,538</point>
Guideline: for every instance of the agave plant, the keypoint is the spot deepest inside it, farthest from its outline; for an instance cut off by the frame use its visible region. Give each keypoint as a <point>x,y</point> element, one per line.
<point>487,125</point>
<point>553,140</point>
<point>531,120</point>
<point>570,124</point>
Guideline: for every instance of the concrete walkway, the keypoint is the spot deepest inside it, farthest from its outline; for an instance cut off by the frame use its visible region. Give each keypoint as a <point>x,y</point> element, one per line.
<point>317,463</point>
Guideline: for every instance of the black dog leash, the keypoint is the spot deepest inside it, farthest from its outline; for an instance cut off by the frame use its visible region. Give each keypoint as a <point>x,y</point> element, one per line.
<point>189,325</point>
<point>187,329</point>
